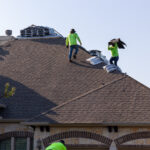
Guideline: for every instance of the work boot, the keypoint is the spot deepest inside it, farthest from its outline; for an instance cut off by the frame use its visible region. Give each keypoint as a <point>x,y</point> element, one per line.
<point>70,60</point>
<point>74,56</point>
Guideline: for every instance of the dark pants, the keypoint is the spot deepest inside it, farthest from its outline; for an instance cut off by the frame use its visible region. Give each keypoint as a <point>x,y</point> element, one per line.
<point>71,50</point>
<point>114,60</point>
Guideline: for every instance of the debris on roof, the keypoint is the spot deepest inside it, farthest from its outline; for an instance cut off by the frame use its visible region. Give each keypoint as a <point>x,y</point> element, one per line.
<point>97,57</point>
<point>94,60</point>
<point>95,53</point>
<point>34,31</point>
<point>111,67</point>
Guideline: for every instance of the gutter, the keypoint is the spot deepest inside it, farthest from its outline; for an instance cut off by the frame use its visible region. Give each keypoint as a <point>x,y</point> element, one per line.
<point>11,120</point>
<point>88,124</point>
<point>35,123</point>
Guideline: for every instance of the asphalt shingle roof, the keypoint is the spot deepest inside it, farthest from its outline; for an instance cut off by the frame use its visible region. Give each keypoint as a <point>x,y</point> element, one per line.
<point>50,89</point>
<point>122,101</point>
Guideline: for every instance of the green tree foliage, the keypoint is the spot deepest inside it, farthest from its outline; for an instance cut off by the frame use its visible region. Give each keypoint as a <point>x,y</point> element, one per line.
<point>9,91</point>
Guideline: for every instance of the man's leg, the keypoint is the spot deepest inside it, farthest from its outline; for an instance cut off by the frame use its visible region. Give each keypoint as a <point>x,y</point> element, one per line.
<point>111,60</point>
<point>76,51</point>
<point>116,60</point>
<point>70,53</point>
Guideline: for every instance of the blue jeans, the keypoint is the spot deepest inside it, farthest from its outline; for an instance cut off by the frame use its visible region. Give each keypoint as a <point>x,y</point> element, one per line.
<point>72,47</point>
<point>114,59</point>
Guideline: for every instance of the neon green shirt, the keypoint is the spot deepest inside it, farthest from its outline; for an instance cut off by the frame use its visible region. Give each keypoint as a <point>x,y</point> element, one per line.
<point>56,146</point>
<point>114,50</point>
<point>72,39</point>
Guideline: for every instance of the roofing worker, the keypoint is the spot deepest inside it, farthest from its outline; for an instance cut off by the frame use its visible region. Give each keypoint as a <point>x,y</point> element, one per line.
<point>113,45</point>
<point>57,146</point>
<point>71,41</point>
<point>114,52</point>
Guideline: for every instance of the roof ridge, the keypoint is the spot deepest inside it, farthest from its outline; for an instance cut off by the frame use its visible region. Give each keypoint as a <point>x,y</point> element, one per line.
<point>76,98</point>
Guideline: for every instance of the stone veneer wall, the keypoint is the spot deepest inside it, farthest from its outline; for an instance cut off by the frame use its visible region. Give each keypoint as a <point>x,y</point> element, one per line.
<point>122,131</point>
<point>9,127</point>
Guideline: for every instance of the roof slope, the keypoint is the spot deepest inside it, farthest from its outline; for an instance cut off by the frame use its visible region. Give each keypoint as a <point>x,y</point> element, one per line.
<point>123,101</point>
<point>45,80</point>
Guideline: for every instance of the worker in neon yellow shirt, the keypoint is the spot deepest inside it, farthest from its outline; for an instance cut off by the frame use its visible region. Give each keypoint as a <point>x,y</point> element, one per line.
<point>57,146</point>
<point>114,52</point>
<point>71,41</point>
<point>113,45</point>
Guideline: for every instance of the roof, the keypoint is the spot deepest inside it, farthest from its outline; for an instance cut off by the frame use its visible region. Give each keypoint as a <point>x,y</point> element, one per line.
<point>121,101</point>
<point>50,89</point>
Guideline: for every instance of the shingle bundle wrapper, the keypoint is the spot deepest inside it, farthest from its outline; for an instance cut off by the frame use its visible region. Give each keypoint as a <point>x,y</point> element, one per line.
<point>111,68</point>
<point>98,54</point>
<point>95,60</point>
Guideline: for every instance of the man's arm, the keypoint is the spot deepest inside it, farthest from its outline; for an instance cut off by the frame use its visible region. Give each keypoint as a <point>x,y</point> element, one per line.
<point>67,42</point>
<point>78,39</point>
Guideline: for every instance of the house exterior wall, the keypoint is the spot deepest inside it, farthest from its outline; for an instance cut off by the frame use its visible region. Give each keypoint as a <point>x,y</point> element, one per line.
<point>8,127</point>
<point>98,130</point>
<point>103,131</point>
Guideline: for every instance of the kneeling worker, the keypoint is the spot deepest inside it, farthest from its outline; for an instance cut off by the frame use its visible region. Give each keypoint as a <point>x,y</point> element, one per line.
<point>57,146</point>
<point>71,41</point>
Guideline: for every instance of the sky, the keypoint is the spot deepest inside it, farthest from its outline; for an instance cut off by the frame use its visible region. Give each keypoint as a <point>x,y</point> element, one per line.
<point>96,22</point>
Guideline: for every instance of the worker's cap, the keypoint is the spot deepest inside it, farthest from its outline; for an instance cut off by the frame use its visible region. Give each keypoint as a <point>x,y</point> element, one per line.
<point>73,31</point>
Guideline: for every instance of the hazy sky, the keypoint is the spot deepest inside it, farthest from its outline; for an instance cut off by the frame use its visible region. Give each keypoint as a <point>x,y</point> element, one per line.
<point>96,22</point>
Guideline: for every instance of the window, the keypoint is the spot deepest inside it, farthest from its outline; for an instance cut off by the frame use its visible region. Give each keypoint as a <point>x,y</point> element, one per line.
<point>5,144</point>
<point>16,140</point>
<point>20,143</point>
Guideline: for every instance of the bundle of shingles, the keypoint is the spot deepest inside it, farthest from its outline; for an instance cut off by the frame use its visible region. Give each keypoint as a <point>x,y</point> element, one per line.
<point>35,31</point>
<point>98,58</point>
<point>111,68</point>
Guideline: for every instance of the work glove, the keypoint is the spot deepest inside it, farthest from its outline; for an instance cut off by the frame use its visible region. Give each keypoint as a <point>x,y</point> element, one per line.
<point>67,46</point>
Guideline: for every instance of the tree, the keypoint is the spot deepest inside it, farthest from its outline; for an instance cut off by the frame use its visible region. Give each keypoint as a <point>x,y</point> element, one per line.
<point>8,93</point>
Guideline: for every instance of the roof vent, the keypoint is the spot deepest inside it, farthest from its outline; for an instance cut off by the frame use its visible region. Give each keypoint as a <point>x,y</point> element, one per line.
<point>34,31</point>
<point>8,32</point>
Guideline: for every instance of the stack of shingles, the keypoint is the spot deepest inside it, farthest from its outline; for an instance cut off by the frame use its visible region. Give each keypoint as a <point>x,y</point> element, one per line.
<point>35,31</point>
<point>111,68</point>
